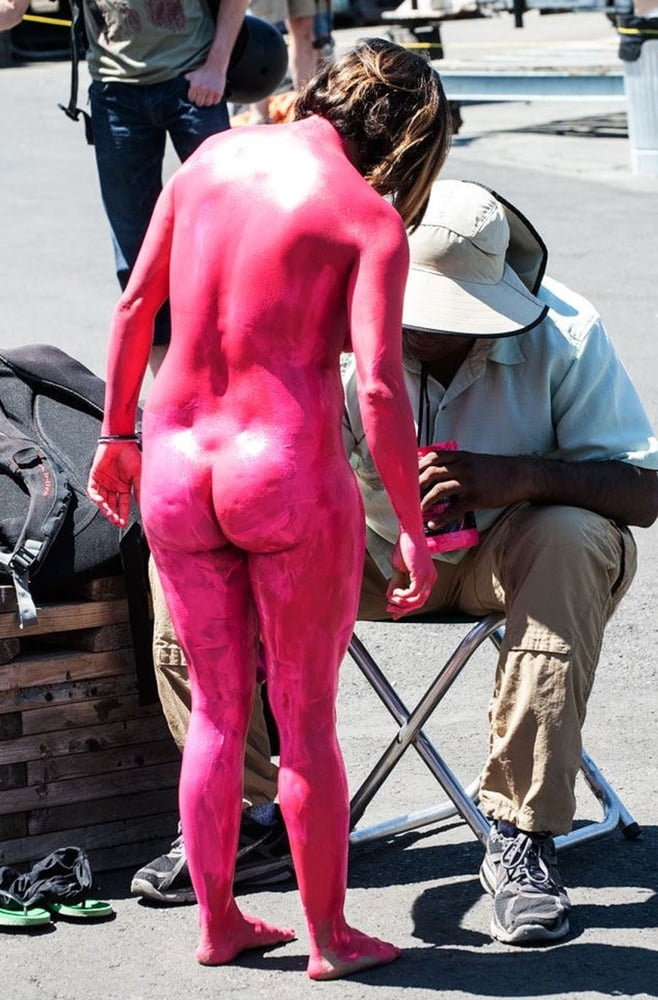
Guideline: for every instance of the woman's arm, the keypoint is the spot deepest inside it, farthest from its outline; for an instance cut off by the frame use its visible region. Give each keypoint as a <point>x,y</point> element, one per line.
<point>116,467</point>
<point>376,332</point>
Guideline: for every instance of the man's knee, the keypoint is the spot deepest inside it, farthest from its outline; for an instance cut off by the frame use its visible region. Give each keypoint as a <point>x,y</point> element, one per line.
<point>576,541</point>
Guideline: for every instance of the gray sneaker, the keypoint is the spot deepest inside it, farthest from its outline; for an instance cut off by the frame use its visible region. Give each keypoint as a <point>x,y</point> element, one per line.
<point>263,859</point>
<point>165,880</point>
<point>530,904</point>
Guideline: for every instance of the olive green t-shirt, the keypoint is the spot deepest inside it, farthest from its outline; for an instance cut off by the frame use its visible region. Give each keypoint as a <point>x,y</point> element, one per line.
<point>146,41</point>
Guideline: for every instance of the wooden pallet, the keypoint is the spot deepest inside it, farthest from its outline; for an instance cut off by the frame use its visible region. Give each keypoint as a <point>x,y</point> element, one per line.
<point>81,761</point>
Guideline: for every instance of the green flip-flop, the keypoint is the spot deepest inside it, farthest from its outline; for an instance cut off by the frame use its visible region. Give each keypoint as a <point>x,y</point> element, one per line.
<point>14,913</point>
<point>88,909</point>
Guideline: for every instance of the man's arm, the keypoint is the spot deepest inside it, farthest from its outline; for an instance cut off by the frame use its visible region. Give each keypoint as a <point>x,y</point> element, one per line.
<point>208,82</point>
<point>623,492</point>
<point>12,12</point>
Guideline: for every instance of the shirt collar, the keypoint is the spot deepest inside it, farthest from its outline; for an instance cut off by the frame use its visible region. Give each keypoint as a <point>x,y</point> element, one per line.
<point>504,351</point>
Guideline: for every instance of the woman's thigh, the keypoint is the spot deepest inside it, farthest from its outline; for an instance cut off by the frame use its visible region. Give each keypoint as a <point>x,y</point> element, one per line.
<point>307,598</point>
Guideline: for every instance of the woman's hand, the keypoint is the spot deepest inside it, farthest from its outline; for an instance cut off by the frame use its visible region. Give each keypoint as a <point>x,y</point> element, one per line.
<point>115,473</point>
<point>413,576</point>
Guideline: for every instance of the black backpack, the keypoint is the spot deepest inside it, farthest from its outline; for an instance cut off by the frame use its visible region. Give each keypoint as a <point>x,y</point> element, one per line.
<point>51,534</point>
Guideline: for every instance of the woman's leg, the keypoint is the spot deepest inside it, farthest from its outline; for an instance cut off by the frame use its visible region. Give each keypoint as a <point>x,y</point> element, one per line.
<point>307,613</point>
<point>209,597</point>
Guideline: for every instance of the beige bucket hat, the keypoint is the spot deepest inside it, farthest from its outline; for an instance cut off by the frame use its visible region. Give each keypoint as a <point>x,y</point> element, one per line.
<point>476,263</point>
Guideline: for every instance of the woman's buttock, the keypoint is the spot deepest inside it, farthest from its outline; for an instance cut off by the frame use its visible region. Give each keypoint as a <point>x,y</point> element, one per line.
<point>258,495</point>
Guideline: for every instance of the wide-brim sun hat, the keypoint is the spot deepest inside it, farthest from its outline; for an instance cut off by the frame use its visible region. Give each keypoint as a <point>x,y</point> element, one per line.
<point>476,264</point>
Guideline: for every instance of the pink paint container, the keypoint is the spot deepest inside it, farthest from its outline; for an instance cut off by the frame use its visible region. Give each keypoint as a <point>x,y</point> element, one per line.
<point>458,534</point>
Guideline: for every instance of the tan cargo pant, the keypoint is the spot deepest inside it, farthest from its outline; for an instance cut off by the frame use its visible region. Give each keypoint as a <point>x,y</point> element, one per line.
<point>558,573</point>
<point>260,773</point>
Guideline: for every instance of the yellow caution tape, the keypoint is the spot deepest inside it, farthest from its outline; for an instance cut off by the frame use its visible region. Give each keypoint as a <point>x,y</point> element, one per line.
<point>638,31</point>
<point>59,21</point>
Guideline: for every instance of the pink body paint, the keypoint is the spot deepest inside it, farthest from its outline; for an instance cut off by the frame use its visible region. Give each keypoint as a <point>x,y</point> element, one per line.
<point>276,255</point>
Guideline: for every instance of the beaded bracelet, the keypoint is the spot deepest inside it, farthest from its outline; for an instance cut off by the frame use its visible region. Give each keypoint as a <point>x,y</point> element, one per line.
<point>111,438</point>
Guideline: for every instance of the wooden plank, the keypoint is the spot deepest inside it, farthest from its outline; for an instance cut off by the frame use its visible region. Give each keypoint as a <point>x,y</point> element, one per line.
<point>104,588</point>
<point>52,667</point>
<point>110,838</point>
<point>83,714</point>
<point>68,693</point>
<point>118,759</point>
<point>12,826</point>
<point>150,725</point>
<point>125,807</point>
<point>67,617</point>
<point>7,598</point>
<point>9,649</point>
<point>94,640</point>
<point>101,786</point>
<point>11,728</point>
<point>13,776</point>
<point>129,856</point>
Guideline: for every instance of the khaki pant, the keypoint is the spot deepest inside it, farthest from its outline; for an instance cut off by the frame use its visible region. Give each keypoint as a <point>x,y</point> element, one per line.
<point>558,573</point>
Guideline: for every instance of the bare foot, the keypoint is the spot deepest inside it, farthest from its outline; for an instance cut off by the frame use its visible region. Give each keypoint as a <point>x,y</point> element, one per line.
<point>240,933</point>
<point>351,952</point>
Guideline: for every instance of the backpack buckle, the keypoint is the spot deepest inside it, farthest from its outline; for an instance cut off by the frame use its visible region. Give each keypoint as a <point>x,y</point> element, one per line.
<point>23,558</point>
<point>27,457</point>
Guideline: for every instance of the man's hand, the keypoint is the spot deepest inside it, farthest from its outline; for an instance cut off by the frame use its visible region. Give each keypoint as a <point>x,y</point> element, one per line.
<point>115,473</point>
<point>471,482</point>
<point>207,85</point>
<point>617,490</point>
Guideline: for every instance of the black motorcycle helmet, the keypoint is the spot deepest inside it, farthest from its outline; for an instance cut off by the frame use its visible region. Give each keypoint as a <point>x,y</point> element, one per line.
<point>258,62</point>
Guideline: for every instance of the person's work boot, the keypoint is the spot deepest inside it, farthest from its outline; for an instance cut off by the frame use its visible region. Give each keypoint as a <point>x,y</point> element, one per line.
<point>530,903</point>
<point>263,859</point>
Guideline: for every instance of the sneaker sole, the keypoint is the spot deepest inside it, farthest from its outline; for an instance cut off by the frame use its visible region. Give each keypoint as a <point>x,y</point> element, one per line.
<point>488,877</point>
<point>529,933</point>
<point>145,890</point>
<point>179,897</point>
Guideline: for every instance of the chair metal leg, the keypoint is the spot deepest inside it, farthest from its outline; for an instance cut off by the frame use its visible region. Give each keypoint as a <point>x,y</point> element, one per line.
<point>615,812</point>
<point>460,801</point>
<point>410,734</point>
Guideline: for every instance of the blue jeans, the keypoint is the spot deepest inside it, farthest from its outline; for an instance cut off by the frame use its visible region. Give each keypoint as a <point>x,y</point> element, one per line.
<point>130,125</point>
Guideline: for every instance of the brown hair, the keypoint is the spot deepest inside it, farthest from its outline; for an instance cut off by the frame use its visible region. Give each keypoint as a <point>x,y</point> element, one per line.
<point>390,105</point>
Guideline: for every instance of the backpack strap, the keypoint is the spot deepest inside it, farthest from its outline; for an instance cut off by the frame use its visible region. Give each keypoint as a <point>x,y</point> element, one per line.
<point>78,48</point>
<point>134,558</point>
<point>50,497</point>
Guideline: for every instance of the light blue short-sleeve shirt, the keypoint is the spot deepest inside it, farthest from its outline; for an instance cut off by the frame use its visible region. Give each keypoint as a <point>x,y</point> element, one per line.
<point>559,391</point>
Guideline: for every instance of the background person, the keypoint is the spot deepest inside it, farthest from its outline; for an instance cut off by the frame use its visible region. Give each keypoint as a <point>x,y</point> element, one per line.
<point>246,407</point>
<point>158,70</point>
<point>302,19</point>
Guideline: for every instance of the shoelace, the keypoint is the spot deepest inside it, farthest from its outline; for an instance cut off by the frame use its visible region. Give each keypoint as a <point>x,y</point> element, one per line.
<point>177,849</point>
<point>523,862</point>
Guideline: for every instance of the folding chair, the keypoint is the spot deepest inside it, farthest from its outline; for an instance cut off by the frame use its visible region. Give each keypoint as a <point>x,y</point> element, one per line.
<point>461,801</point>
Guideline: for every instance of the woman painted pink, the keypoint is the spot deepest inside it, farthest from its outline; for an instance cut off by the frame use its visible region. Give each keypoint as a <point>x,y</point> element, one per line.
<point>277,252</point>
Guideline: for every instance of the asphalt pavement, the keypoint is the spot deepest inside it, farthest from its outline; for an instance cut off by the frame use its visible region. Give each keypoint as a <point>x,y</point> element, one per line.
<point>566,165</point>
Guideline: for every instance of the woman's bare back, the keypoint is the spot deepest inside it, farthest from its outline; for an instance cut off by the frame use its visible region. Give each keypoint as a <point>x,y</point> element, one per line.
<point>247,404</point>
